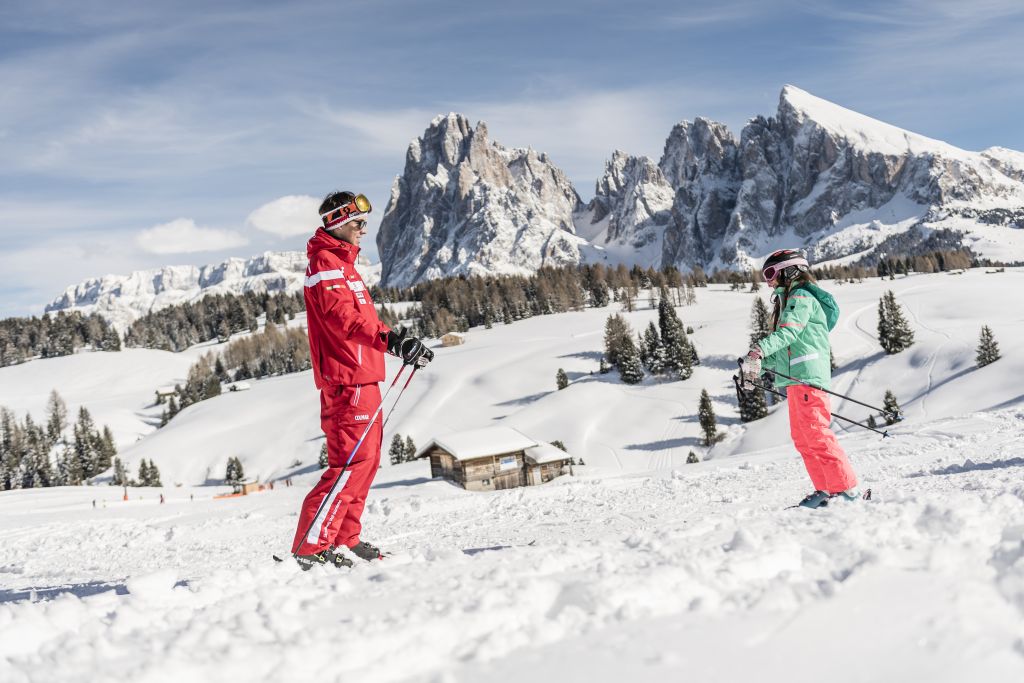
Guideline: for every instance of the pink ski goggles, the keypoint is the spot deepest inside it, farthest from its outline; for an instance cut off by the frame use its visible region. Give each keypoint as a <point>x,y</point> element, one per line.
<point>773,270</point>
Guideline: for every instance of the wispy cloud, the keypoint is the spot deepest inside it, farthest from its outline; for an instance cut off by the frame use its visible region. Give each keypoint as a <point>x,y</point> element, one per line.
<point>183,236</point>
<point>287,217</point>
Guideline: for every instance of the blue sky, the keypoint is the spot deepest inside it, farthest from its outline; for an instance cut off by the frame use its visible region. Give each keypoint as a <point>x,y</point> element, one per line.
<point>134,135</point>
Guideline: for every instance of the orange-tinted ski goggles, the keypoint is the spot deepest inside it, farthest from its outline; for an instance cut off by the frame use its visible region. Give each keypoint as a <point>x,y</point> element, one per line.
<point>359,206</point>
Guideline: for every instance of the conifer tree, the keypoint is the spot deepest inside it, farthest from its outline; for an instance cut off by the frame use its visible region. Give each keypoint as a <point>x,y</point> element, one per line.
<point>678,352</point>
<point>752,404</point>
<point>988,348</point>
<point>760,321</point>
<point>894,333</point>
<point>561,379</point>
<point>872,422</point>
<point>233,473</point>
<point>85,443</point>
<point>410,449</point>
<point>154,474</point>
<point>652,353</point>
<point>120,477</point>
<point>57,417</point>
<point>324,459</point>
<point>616,334</point>
<point>630,369</point>
<point>890,407</point>
<point>143,472</point>
<point>396,453</point>
<point>692,458</point>
<point>603,367</point>
<point>706,417</point>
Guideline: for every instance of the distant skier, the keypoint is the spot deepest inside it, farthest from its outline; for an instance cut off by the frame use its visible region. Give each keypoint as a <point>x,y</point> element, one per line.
<point>803,316</point>
<point>347,342</point>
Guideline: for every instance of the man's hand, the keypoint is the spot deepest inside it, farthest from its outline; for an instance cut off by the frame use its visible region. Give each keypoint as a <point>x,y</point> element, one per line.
<point>410,349</point>
<point>751,368</point>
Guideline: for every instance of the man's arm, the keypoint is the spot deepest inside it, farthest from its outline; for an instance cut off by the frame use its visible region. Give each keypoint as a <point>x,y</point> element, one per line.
<point>332,295</point>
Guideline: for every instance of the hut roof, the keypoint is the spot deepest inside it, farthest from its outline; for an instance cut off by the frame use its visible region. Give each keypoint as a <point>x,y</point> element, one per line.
<point>545,452</point>
<point>480,443</point>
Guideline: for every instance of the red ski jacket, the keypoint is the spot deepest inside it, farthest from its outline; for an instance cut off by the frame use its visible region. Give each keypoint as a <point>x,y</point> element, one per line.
<point>347,340</point>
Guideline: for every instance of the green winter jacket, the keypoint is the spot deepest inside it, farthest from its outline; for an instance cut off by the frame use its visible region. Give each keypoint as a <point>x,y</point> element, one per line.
<point>799,345</point>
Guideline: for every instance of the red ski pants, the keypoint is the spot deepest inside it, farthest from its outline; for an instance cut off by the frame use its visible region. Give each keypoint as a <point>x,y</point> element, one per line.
<point>345,413</point>
<point>809,418</point>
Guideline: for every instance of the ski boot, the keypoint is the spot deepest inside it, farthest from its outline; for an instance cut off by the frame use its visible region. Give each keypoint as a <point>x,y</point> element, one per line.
<point>366,551</point>
<point>324,557</point>
<point>818,499</point>
<point>852,495</point>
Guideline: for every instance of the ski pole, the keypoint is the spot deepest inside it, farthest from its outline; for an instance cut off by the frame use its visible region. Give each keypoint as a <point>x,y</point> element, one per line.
<point>399,398</point>
<point>330,493</point>
<point>896,417</point>
<point>739,388</point>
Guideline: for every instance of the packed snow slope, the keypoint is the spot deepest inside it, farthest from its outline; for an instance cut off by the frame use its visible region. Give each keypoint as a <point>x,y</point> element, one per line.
<point>638,566</point>
<point>690,573</point>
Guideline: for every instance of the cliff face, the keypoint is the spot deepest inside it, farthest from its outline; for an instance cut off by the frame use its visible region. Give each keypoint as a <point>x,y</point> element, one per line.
<point>466,205</point>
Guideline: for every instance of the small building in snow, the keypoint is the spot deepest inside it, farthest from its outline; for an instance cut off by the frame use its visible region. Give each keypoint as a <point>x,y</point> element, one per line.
<point>493,458</point>
<point>453,339</point>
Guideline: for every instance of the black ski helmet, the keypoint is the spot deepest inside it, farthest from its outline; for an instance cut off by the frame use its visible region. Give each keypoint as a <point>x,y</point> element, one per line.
<point>785,264</point>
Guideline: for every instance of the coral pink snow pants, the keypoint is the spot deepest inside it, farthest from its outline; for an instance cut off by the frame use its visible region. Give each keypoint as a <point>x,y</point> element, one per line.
<point>344,414</point>
<point>809,417</point>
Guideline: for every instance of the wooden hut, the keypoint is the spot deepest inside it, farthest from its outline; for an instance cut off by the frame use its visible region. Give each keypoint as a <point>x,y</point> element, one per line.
<point>453,339</point>
<point>492,459</point>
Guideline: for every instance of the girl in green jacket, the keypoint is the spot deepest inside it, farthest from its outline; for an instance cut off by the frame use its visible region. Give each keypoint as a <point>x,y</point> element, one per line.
<point>798,346</point>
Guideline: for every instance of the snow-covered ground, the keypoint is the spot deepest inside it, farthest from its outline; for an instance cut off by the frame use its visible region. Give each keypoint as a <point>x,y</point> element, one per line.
<point>639,567</point>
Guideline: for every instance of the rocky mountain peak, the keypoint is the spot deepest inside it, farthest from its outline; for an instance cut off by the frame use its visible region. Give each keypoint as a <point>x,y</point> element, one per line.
<point>465,204</point>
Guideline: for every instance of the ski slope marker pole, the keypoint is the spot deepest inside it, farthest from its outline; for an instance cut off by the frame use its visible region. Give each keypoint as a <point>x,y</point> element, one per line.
<point>351,455</point>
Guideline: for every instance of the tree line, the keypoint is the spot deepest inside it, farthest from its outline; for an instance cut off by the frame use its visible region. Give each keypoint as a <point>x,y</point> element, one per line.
<point>178,327</point>
<point>277,350</point>
<point>23,339</point>
<point>34,455</point>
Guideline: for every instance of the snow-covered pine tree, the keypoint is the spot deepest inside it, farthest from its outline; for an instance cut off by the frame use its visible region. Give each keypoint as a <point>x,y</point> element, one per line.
<point>760,321</point>
<point>894,333</point>
<point>652,355</point>
<point>678,353</point>
<point>410,449</point>
<point>84,443</point>
<point>706,416</point>
<point>616,332</point>
<point>890,407</point>
<point>988,348</point>
<point>154,474</point>
<point>322,459</point>
<point>752,404</point>
<point>57,417</point>
<point>120,477</point>
<point>143,473</point>
<point>692,458</point>
<point>396,453</point>
<point>233,472</point>
<point>561,379</point>
<point>603,367</point>
<point>872,422</point>
<point>630,369</point>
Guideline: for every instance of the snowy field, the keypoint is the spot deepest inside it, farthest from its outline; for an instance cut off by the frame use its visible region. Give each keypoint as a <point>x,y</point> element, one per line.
<point>640,567</point>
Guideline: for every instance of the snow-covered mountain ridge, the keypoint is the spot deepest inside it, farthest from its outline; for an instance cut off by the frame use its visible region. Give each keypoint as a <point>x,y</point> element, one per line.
<point>817,175</point>
<point>122,299</point>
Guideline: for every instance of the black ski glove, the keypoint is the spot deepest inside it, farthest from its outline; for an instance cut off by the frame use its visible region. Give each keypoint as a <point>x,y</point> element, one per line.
<point>409,349</point>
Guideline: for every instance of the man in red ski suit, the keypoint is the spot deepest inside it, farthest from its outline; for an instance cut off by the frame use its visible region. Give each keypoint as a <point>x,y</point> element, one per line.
<point>347,342</point>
